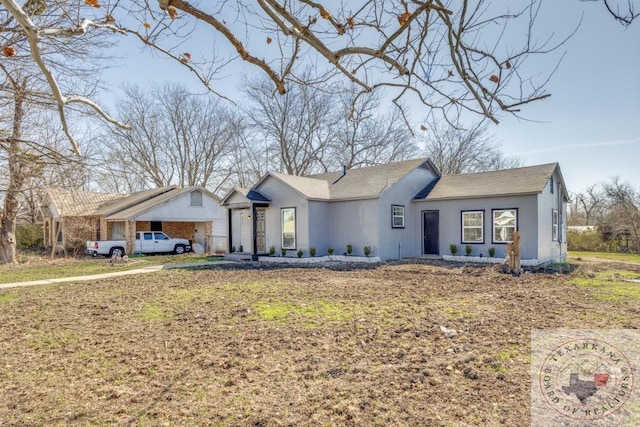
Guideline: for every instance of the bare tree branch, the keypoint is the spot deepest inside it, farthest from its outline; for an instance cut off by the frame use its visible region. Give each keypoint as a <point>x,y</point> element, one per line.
<point>33,34</point>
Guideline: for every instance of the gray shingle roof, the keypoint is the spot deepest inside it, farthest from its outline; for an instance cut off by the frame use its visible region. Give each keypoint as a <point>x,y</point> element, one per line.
<point>160,196</point>
<point>309,187</point>
<point>361,183</point>
<point>132,200</point>
<point>525,180</point>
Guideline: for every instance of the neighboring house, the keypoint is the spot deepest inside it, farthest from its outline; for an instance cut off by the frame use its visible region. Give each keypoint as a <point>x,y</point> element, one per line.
<point>403,209</point>
<point>71,217</point>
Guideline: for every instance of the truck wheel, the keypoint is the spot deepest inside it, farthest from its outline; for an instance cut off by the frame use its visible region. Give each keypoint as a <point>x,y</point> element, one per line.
<point>116,252</point>
<point>179,249</point>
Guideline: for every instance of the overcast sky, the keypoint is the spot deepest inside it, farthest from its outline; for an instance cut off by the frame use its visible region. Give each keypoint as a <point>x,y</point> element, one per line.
<point>590,124</point>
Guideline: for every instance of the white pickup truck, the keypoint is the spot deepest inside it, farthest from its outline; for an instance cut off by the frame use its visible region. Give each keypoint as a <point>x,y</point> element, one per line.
<point>147,242</point>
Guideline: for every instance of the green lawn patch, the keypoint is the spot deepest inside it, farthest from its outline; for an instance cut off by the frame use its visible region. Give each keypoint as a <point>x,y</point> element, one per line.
<point>312,313</point>
<point>605,255</point>
<point>612,285</point>
<point>5,298</point>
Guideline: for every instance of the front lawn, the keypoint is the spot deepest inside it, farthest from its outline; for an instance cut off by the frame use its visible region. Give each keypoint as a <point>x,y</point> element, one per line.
<point>406,345</point>
<point>605,255</point>
<point>39,268</point>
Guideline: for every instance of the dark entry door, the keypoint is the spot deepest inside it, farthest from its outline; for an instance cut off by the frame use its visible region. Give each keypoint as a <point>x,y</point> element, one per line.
<point>430,226</point>
<point>261,241</point>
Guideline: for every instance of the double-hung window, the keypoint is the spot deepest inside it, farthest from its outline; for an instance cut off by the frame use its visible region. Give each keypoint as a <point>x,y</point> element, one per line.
<point>397,216</point>
<point>554,225</point>
<point>288,227</point>
<point>505,222</point>
<point>473,227</point>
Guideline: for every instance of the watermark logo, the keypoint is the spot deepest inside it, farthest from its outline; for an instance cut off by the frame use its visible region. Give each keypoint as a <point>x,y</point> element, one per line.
<point>583,376</point>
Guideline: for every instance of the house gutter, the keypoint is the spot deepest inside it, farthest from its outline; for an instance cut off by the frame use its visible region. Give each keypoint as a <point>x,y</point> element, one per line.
<point>486,196</point>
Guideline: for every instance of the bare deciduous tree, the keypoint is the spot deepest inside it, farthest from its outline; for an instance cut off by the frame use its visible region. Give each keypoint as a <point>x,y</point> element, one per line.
<point>297,126</point>
<point>456,150</point>
<point>364,136</point>
<point>623,213</point>
<point>622,11</point>
<point>176,138</point>
<point>453,57</point>
<point>590,205</point>
<point>29,47</point>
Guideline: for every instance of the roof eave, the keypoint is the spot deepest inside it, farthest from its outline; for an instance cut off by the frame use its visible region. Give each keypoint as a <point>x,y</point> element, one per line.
<point>487,196</point>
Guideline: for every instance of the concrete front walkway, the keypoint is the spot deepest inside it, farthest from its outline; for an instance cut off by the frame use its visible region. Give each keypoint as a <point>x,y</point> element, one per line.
<point>149,269</point>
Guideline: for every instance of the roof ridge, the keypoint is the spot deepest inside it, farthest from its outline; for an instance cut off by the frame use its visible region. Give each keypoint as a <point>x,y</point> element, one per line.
<point>504,170</point>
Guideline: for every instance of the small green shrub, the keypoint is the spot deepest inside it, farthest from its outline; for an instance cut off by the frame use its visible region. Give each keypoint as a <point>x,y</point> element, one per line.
<point>240,249</point>
<point>312,251</point>
<point>589,240</point>
<point>367,250</point>
<point>330,250</point>
<point>492,251</point>
<point>283,252</point>
<point>233,248</point>
<point>272,251</point>
<point>300,253</point>
<point>468,249</point>
<point>453,248</point>
<point>30,236</point>
<point>349,249</point>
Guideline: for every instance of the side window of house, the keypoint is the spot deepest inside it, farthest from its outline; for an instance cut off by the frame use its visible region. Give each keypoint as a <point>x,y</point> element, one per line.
<point>288,227</point>
<point>397,216</point>
<point>554,225</point>
<point>473,227</point>
<point>505,222</point>
<point>196,198</point>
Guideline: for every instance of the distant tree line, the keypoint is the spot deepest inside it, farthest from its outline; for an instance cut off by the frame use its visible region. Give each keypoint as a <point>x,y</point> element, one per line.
<point>611,210</point>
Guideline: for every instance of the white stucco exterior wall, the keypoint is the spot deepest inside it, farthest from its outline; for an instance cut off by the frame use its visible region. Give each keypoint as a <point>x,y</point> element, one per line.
<point>401,242</point>
<point>450,223</point>
<point>354,222</point>
<point>283,196</point>
<point>548,201</point>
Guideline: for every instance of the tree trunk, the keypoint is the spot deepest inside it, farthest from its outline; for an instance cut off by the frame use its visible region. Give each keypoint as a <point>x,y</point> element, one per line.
<point>16,182</point>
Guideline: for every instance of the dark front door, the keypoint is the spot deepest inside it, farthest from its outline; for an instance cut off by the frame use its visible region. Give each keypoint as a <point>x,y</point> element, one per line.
<point>430,225</point>
<point>261,241</point>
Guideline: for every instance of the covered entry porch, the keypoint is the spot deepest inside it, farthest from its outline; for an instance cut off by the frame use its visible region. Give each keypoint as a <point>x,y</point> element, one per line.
<point>246,220</point>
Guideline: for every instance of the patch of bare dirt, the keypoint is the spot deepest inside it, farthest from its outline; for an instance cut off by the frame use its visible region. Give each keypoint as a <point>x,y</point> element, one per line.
<point>406,344</point>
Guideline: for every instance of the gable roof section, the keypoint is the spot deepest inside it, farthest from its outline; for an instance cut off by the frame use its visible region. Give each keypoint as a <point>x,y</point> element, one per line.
<point>132,200</point>
<point>311,188</point>
<point>507,182</point>
<point>370,181</point>
<point>78,202</point>
<point>361,183</point>
<point>143,206</point>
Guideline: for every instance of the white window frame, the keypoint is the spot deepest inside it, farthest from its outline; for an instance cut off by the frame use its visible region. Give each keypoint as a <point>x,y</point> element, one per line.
<point>397,216</point>
<point>493,223</point>
<point>555,223</point>
<point>472,227</point>
<point>283,231</point>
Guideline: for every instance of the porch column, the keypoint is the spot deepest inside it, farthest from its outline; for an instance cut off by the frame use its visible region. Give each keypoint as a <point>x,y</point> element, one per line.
<point>130,236</point>
<point>104,230</point>
<point>253,230</point>
<point>209,243</point>
<point>229,235</point>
